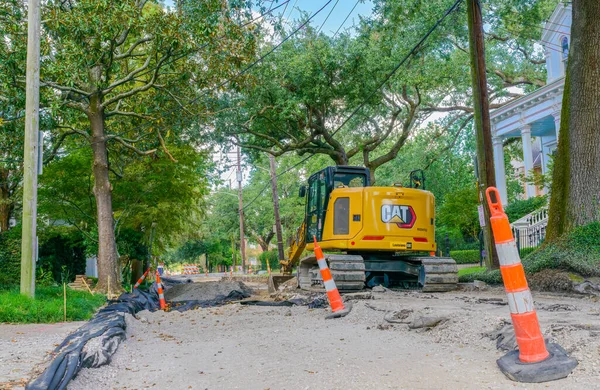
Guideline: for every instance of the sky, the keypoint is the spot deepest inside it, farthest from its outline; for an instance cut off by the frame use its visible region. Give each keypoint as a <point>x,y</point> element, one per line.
<point>293,11</point>
<point>294,8</point>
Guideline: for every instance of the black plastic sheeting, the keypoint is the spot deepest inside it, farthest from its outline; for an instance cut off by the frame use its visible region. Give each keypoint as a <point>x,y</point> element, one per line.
<point>94,344</point>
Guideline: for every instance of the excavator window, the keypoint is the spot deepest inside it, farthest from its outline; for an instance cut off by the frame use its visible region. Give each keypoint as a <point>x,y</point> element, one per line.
<point>348,180</point>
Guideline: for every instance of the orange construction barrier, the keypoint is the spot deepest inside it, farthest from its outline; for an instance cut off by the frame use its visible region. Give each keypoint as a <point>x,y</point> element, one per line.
<point>532,347</point>
<point>141,279</point>
<point>333,295</point>
<point>161,295</point>
<point>543,365</point>
<point>268,267</point>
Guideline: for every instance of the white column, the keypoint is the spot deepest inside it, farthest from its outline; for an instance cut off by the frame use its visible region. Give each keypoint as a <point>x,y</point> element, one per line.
<point>527,158</point>
<point>556,124</point>
<point>500,169</point>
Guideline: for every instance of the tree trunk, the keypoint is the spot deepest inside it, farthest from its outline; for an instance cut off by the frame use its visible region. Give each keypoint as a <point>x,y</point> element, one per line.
<point>575,192</point>
<point>109,275</point>
<point>5,208</point>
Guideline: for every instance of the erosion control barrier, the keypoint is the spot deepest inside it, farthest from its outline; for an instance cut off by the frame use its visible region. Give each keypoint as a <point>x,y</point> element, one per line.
<point>534,361</point>
<point>333,295</point>
<point>141,279</point>
<point>108,325</point>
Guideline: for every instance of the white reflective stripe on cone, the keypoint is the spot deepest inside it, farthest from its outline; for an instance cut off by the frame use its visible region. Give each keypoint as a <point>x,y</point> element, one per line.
<point>322,263</point>
<point>520,302</point>
<point>508,254</point>
<point>329,285</point>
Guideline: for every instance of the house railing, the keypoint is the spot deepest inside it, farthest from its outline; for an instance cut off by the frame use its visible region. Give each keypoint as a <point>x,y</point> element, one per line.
<point>530,231</point>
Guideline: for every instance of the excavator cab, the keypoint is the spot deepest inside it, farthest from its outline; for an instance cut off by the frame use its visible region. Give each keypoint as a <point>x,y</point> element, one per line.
<point>319,189</point>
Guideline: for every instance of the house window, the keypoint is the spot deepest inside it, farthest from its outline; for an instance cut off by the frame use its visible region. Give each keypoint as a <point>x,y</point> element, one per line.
<point>564,44</point>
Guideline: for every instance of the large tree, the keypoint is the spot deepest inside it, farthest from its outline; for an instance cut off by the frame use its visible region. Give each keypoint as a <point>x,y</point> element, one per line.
<point>575,198</point>
<point>308,89</point>
<point>130,73</point>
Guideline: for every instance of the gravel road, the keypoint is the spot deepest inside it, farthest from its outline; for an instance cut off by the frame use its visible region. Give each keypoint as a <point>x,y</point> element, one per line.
<point>249,347</point>
<point>24,346</point>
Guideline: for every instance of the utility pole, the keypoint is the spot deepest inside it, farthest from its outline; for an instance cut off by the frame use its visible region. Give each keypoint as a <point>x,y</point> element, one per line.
<point>483,131</point>
<point>241,209</point>
<point>276,207</point>
<point>30,166</point>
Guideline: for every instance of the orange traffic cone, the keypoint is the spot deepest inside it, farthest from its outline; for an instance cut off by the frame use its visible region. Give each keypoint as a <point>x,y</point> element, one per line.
<point>161,295</point>
<point>141,279</point>
<point>333,295</point>
<point>545,366</point>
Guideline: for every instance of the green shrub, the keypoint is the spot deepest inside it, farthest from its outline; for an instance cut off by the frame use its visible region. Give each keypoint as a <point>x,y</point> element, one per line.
<point>10,257</point>
<point>527,251</point>
<point>470,256</point>
<point>520,208</point>
<point>578,251</point>
<point>47,307</point>
<point>272,256</point>
<point>490,277</point>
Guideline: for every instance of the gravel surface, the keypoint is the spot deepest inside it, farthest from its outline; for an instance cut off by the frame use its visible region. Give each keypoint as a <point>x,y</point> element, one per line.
<point>250,347</point>
<point>203,291</point>
<point>24,346</point>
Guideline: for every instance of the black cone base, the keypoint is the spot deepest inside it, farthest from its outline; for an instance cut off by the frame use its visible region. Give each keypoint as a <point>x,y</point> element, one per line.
<point>558,365</point>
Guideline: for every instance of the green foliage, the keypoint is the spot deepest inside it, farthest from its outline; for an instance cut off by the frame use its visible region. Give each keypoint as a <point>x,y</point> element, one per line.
<point>578,251</point>
<point>10,256</point>
<point>459,210</point>
<point>272,257</point>
<point>62,253</point>
<point>467,271</point>
<point>520,208</point>
<point>490,277</point>
<point>526,252</point>
<point>47,307</point>
<point>465,256</point>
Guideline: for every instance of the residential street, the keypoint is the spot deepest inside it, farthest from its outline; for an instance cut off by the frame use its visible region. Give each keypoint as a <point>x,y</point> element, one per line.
<point>250,347</point>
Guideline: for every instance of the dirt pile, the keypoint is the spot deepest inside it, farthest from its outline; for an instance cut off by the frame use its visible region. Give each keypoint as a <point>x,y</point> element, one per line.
<point>206,291</point>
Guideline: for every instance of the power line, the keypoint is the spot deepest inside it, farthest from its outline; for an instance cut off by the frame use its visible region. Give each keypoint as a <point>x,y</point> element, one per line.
<point>410,53</point>
<point>189,52</point>
<point>387,78</point>
<point>347,16</point>
<point>242,72</point>
<point>218,86</point>
<point>327,17</point>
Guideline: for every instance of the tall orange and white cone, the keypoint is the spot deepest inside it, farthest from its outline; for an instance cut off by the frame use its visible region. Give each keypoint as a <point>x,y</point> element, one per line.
<point>333,295</point>
<point>535,362</point>
<point>161,294</point>
<point>141,279</point>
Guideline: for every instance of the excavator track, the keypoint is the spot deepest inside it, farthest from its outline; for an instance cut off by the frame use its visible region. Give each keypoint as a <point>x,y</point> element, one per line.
<point>439,274</point>
<point>348,272</point>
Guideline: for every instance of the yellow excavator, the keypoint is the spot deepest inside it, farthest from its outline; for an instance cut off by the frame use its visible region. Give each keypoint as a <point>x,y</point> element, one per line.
<point>370,235</point>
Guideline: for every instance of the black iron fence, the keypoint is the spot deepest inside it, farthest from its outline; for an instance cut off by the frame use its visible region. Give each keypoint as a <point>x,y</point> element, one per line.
<point>529,237</point>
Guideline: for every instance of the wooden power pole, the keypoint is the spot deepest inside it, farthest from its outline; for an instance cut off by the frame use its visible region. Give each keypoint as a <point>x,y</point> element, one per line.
<point>483,128</point>
<point>276,207</point>
<point>31,151</point>
<point>241,209</point>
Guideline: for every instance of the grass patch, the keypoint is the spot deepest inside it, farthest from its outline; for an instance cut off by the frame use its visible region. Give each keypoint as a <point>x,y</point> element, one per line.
<point>471,270</point>
<point>47,307</point>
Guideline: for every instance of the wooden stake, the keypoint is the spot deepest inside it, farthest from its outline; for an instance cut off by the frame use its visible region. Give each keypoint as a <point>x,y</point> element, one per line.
<point>87,286</point>
<point>65,301</point>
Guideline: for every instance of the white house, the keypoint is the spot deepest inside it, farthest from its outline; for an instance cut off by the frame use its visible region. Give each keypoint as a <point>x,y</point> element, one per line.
<point>536,117</point>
